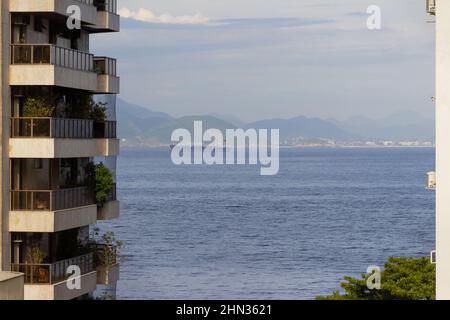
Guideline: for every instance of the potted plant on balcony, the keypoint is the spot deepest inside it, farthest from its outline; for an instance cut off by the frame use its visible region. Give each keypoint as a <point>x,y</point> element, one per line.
<point>106,249</point>
<point>34,257</point>
<point>102,181</point>
<point>38,107</point>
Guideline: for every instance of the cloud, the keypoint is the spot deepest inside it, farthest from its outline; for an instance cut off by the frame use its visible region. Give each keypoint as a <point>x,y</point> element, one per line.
<point>148,16</point>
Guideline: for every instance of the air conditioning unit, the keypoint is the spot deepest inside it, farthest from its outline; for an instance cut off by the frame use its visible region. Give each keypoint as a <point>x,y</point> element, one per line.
<point>431,7</point>
<point>21,19</point>
<point>433,257</point>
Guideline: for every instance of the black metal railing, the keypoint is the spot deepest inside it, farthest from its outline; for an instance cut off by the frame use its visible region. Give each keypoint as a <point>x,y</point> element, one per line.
<point>105,129</point>
<point>112,196</point>
<point>27,127</point>
<point>54,272</point>
<point>51,54</point>
<point>62,128</point>
<point>105,65</point>
<point>51,200</point>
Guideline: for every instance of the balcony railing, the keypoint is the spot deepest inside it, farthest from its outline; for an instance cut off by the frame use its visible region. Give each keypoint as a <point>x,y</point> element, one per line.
<point>112,196</point>
<point>106,5</point>
<point>51,54</point>
<point>105,129</point>
<point>43,274</point>
<point>88,2</point>
<point>105,65</point>
<point>62,128</point>
<point>25,127</point>
<point>53,200</point>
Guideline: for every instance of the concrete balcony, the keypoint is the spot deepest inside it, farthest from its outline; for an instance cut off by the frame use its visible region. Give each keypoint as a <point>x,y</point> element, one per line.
<point>111,209</point>
<point>106,22</point>
<point>108,268</point>
<point>57,8</point>
<point>11,286</point>
<point>47,148</point>
<point>108,82</point>
<point>107,18</point>
<point>60,291</point>
<point>52,221</point>
<point>49,65</point>
<point>49,138</point>
<point>107,275</point>
<point>50,281</point>
<point>51,211</point>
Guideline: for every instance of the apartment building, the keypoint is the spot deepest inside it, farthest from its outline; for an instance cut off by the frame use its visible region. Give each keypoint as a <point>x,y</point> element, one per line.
<point>441,10</point>
<point>58,123</point>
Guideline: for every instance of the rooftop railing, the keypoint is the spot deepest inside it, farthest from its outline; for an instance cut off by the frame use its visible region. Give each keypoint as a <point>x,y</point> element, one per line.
<point>51,200</point>
<point>51,54</point>
<point>42,274</point>
<point>62,128</point>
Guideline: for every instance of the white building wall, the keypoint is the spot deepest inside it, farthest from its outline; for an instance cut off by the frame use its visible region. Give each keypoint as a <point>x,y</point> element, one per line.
<point>443,149</point>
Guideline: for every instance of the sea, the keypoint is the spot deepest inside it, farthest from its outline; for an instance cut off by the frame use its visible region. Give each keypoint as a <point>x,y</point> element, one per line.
<point>226,232</point>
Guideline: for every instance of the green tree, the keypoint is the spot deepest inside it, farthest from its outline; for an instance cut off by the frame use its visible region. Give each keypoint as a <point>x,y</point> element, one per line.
<point>401,279</point>
<point>104,182</point>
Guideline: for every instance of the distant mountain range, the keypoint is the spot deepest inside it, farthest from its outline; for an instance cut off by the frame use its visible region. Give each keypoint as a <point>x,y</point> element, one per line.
<point>140,126</point>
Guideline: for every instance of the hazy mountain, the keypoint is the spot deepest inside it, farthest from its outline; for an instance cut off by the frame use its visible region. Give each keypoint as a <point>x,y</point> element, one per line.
<point>307,128</point>
<point>238,123</point>
<point>139,125</point>
<point>134,119</point>
<point>399,126</point>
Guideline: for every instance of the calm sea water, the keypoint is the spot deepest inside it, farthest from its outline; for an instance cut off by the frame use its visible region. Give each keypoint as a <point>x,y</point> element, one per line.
<point>198,232</point>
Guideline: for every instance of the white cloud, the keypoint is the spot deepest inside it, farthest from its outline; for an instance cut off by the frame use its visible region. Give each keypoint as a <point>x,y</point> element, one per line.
<point>148,16</point>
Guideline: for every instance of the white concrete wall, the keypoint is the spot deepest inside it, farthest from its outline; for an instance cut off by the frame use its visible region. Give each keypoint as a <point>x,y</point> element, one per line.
<point>109,211</point>
<point>108,21</point>
<point>443,149</point>
<point>62,148</point>
<point>108,84</point>
<point>60,291</point>
<point>52,221</point>
<point>51,75</point>
<point>4,134</point>
<point>88,13</point>
<point>11,286</point>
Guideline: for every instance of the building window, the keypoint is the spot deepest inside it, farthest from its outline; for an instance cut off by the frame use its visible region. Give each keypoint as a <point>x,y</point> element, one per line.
<point>38,24</point>
<point>38,164</point>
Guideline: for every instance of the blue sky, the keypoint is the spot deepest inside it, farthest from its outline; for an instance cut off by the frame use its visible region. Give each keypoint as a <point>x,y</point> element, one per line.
<point>274,58</point>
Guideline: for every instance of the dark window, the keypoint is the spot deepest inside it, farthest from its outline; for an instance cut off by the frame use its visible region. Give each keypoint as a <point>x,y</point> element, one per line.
<point>38,24</point>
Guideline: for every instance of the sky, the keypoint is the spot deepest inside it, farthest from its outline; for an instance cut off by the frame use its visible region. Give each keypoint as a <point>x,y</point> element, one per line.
<point>260,59</point>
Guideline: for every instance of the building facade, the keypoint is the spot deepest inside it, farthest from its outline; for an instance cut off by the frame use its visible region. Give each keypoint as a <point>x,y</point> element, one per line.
<point>58,134</point>
<point>441,10</point>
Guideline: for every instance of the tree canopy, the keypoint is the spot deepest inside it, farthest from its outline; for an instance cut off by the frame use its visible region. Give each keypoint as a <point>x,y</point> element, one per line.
<point>401,279</point>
